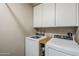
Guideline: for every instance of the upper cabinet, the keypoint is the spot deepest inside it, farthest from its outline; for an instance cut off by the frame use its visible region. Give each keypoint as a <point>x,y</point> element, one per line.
<point>37,15</point>
<point>44,15</point>
<point>66,14</point>
<point>54,15</point>
<point>48,15</point>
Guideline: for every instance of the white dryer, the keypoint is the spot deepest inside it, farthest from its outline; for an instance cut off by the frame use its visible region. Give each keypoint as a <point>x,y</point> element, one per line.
<point>61,47</point>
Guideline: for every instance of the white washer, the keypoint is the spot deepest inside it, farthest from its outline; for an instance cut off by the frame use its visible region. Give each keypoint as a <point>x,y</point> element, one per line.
<point>61,47</point>
<point>32,47</point>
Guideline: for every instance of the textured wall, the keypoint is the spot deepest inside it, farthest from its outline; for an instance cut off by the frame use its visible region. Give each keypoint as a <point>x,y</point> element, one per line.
<point>58,30</point>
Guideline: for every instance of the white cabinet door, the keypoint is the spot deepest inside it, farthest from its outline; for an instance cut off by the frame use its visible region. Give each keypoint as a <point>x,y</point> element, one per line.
<point>48,15</point>
<point>44,15</point>
<point>66,14</point>
<point>78,14</point>
<point>37,16</point>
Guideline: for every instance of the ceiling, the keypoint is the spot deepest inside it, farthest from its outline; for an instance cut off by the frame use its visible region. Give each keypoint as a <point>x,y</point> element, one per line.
<point>34,4</point>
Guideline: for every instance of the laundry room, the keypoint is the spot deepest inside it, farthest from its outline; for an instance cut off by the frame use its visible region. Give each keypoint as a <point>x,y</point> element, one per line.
<point>39,29</point>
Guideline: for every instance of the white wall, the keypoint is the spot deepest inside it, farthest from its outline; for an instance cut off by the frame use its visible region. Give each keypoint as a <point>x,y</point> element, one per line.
<point>15,24</point>
<point>77,35</point>
<point>63,30</point>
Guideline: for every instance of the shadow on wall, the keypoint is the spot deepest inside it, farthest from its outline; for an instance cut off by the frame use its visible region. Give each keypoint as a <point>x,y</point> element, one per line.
<point>17,20</point>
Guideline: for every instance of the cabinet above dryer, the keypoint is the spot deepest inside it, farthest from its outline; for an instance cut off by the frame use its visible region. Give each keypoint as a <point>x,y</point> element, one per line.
<point>66,14</point>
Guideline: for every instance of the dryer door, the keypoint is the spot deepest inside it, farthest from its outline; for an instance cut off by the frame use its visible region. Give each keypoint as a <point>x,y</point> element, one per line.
<point>53,52</point>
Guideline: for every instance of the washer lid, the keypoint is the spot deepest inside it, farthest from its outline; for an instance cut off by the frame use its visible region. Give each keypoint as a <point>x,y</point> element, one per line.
<point>66,46</point>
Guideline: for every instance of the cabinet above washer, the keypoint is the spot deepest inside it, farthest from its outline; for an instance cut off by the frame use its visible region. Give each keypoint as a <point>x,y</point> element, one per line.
<point>44,15</point>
